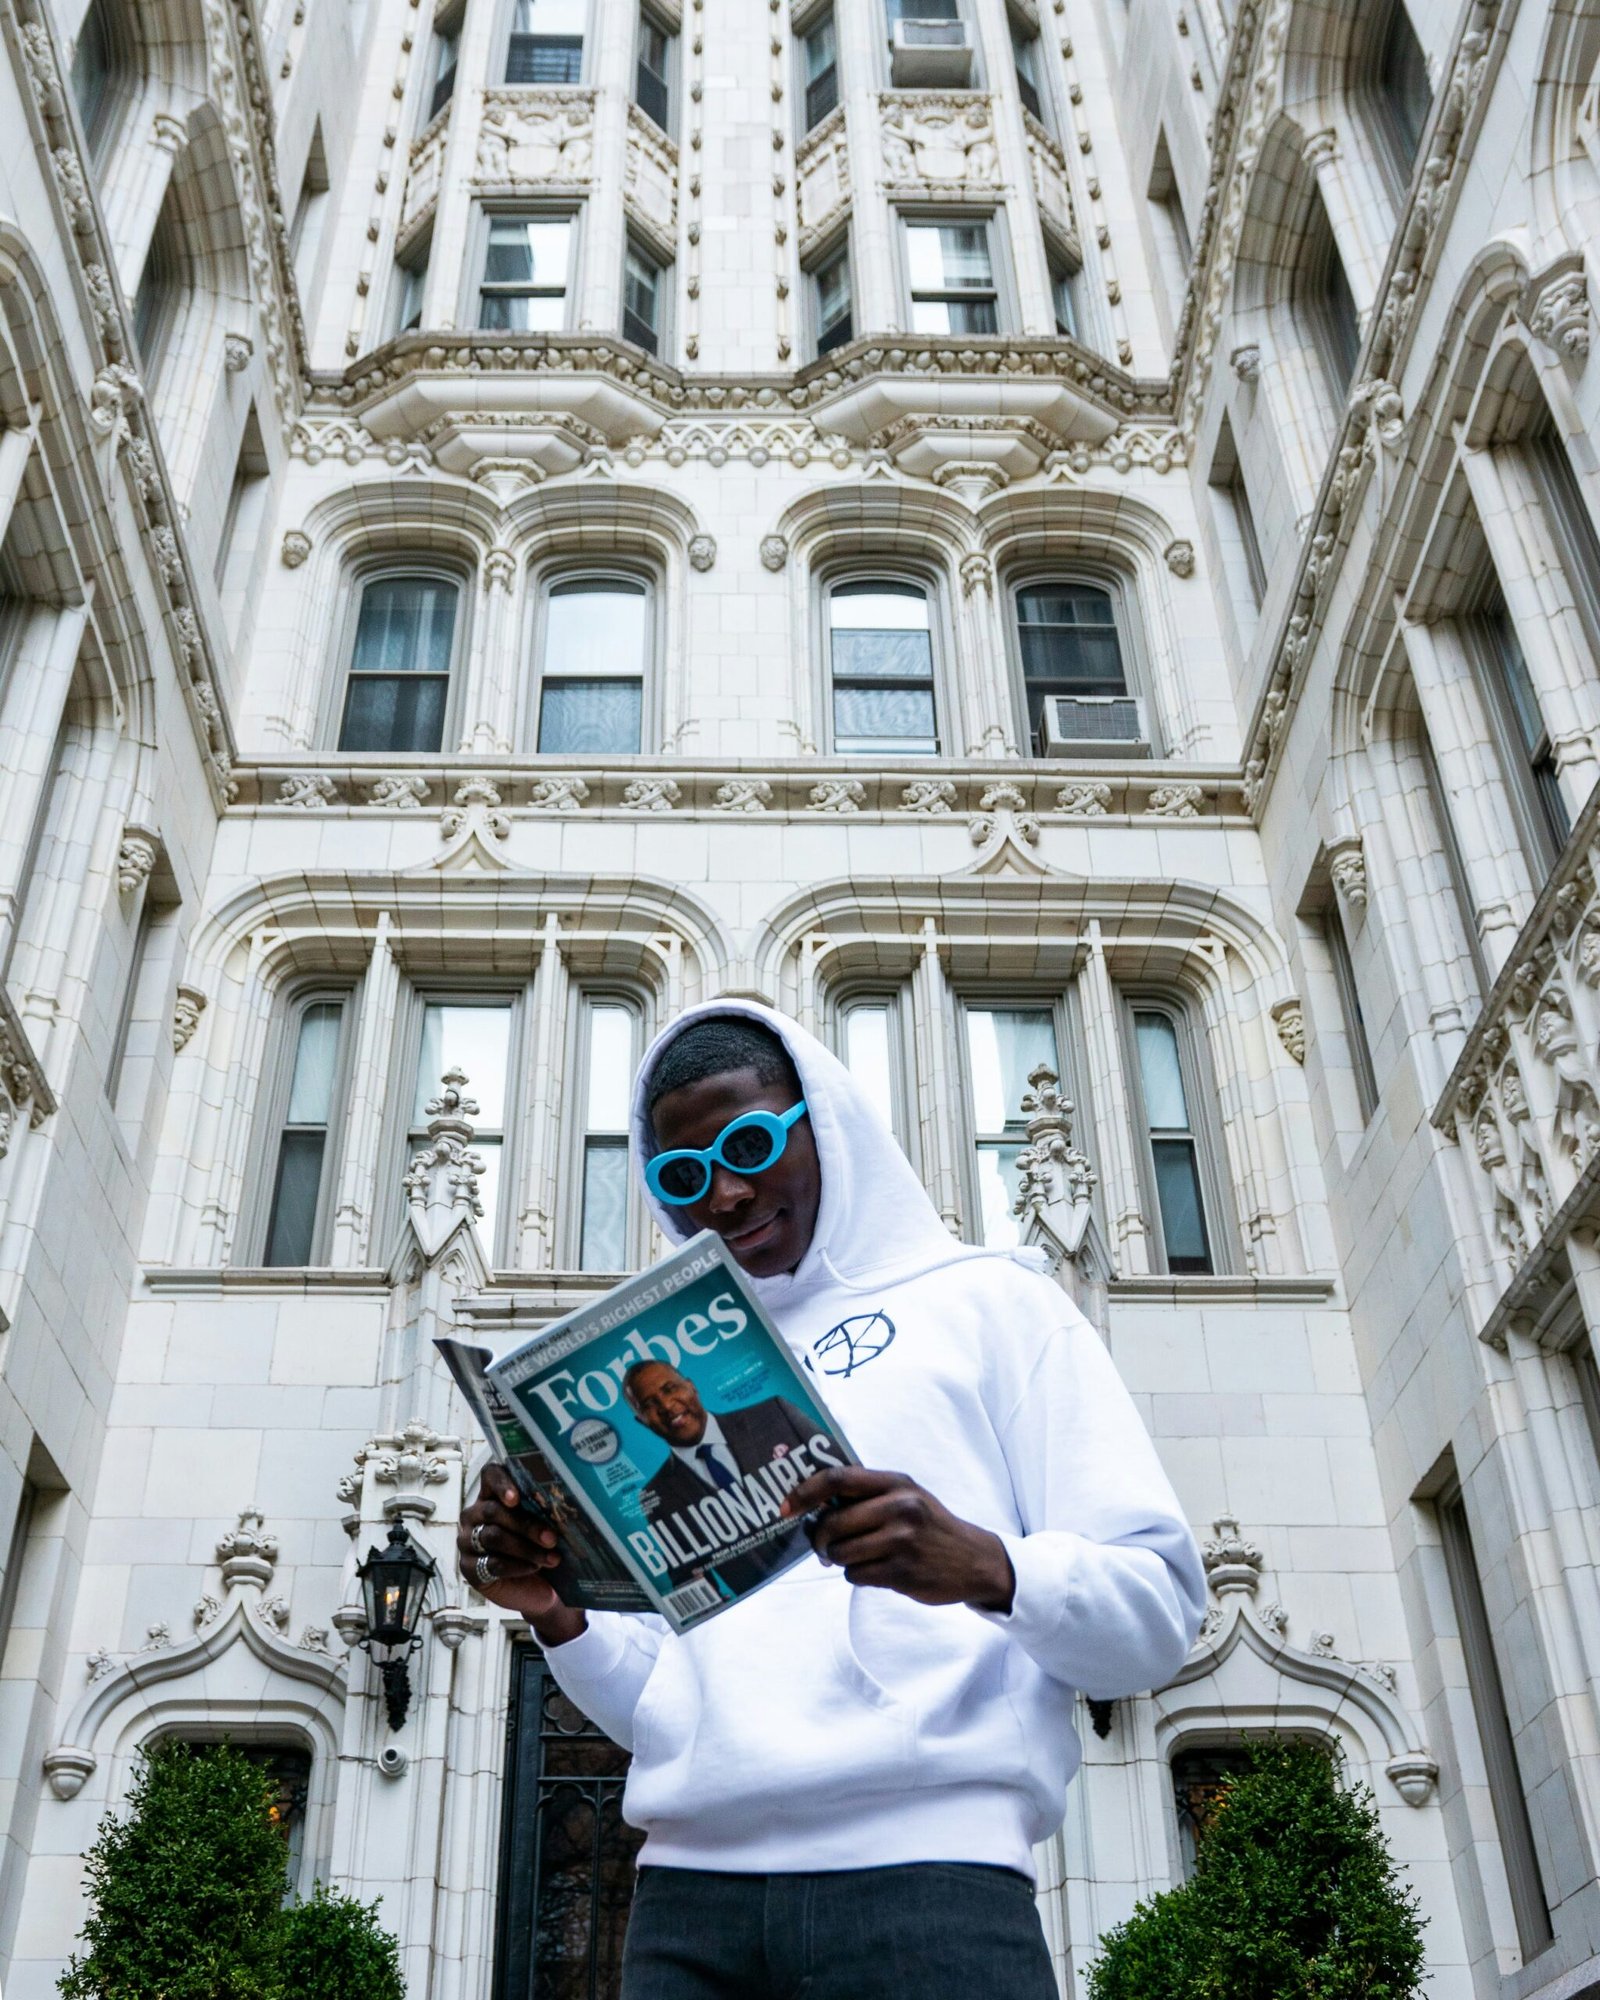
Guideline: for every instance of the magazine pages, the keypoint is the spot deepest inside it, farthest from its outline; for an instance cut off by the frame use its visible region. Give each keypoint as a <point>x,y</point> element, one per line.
<point>672,1411</point>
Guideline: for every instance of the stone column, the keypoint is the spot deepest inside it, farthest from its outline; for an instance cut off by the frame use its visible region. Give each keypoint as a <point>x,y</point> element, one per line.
<point>537,1226</point>
<point>355,1223</point>
<point>936,1073</point>
<point>1030,272</point>
<point>1113,1114</point>
<point>875,264</point>
<point>609,64</point>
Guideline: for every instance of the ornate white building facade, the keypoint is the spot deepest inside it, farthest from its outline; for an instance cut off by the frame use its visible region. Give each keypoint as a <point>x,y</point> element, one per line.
<point>1040,535</point>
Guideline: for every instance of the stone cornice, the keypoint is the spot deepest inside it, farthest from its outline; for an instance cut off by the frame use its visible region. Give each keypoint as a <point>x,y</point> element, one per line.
<point>117,396</point>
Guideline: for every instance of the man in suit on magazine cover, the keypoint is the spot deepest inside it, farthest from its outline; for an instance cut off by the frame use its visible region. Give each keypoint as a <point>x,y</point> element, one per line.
<point>709,1452</point>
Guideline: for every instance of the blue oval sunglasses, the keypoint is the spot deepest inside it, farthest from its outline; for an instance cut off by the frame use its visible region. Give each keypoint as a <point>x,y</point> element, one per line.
<point>748,1144</point>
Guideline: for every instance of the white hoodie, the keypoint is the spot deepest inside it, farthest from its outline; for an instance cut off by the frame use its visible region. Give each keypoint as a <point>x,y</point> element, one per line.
<point>820,1725</point>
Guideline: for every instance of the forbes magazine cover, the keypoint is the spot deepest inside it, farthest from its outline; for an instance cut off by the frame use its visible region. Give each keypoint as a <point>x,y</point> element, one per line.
<point>673,1410</point>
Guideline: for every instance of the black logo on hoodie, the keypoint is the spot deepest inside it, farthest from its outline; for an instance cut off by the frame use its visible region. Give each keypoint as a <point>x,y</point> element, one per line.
<point>851,1344</point>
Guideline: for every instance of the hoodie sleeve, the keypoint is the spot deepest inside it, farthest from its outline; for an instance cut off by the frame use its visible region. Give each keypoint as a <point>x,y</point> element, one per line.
<point>1109,1587</point>
<point>603,1670</point>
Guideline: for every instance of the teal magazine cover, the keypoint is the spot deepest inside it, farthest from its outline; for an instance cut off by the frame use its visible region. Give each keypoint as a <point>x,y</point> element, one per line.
<point>673,1412</point>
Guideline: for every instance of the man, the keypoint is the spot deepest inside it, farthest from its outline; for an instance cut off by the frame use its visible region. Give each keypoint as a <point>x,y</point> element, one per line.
<point>841,1780</point>
<point>706,1454</point>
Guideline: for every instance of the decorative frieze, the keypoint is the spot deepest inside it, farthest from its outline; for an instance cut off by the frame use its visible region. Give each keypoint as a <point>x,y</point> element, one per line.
<point>938,145</point>
<point>650,178</point>
<point>535,137</point>
<point>1051,182</point>
<point>822,180</point>
<point>424,173</point>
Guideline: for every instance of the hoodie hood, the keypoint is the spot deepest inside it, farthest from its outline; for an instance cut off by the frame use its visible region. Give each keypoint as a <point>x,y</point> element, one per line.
<point>875,1223</point>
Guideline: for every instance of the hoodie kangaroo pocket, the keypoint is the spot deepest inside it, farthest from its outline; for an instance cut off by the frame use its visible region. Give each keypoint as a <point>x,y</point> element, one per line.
<point>947,1667</point>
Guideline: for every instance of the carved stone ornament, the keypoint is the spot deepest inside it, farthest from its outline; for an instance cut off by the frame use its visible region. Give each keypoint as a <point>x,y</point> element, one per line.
<point>296,547</point>
<point>1246,362</point>
<point>977,573</point>
<point>929,795</point>
<point>407,1462</point>
<point>443,1175</point>
<point>938,142</point>
<point>187,1008</point>
<point>1174,802</point>
<point>1084,801</point>
<point>774,552</point>
<point>837,795</point>
<point>1347,870</point>
<point>1385,414</point>
<point>653,795</point>
<point>247,1553</point>
<point>998,805</point>
<point>136,857</point>
<point>116,389</point>
<point>307,790</point>
<point>237,349</point>
<point>476,803</point>
<point>1180,558</point>
<point>742,795</point>
<point>1055,1181</point>
<point>1232,1563</point>
<point>702,552</point>
<point>1556,310</point>
<point>1288,1017</point>
<point>544,135</point>
<point>399,792</point>
<point>558,794</point>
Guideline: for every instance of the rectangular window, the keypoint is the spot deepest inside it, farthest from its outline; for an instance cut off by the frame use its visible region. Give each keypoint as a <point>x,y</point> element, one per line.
<point>303,1170</point>
<point>1063,292</point>
<point>609,1061</point>
<point>644,283</point>
<point>411,284</point>
<point>130,994</point>
<point>446,51</point>
<point>596,642</point>
<point>546,42</point>
<point>311,208</point>
<point>1571,526</point>
<point>1355,1026</point>
<point>242,522</point>
<point>1510,1801</point>
<point>1324,292</point>
<point>870,1034</point>
<point>1174,252</point>
<point>400,666</point>
<point>1437,801</point>
<point>1527,752</point>
<point>1025,56</point>
<point>652,74</point>
<point>1172,1142</point>
<point>952,278</point>
<point>1227,482</point>
<point>475,1038</point>
<point>881,660</point>
<point>1004,1045</point>
<point>831,301</point>
<point>526,272</point>
<point>820,62</point>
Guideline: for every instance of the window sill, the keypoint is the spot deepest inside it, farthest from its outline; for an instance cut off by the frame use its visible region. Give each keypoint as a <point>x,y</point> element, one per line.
<point>165,1282</point>
<point>1224,1288</point>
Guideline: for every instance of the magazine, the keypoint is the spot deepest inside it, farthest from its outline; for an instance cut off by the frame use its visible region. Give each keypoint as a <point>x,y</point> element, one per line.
<point>671,1414</point>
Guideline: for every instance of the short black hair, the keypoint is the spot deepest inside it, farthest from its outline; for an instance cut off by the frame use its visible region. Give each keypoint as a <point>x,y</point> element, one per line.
<point>712,1047</point>
<point>638,1367</point>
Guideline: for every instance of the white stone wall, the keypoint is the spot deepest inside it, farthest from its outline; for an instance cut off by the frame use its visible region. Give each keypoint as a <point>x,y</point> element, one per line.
<point>212,1444</point>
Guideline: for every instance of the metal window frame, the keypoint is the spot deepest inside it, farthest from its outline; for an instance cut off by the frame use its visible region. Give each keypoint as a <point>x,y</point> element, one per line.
<point>1227,479</point>
<point>837,248</point>
<point>1065,1009</point>
<point>507,34</point>
<point>587,994</point>
<point>803,30</point>
<point>649,18</point>
<point>1136,675</point>
<point>1199,1089</point>
<point>633,244</point>
<point>895,996</point>
<point>490,212</point>
<point>1002,289</point>
<point>565,569</point>
<point>1542,841</point>
<point>379,567</point>
<point>272,1099</point>
<point>940,644</point>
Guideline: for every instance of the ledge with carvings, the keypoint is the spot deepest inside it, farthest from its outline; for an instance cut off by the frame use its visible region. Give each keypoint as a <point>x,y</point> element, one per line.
<point>1523,1100</point>
<point>1105,792</point>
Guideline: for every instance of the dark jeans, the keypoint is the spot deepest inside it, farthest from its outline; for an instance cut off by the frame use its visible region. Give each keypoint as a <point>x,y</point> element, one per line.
<point>933,1931</point>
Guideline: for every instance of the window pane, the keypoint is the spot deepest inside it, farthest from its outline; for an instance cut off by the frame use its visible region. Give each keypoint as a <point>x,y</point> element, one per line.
<point>596,627</point>
<point>584,718</point>
<point>953,316</point>
<point>605,1205</point>
<point>544,59</point>
<point>91,71</point>
<point>878,607</point>
<point>997,1190</point>
<point>475,1040</point>
<point>291,1231</point>
<point>882,656</point>
<point>610,1069</point>
<point>549,17</point>
<point>867,1057</point>
<point>1183,1226</point>
<point>1165,1108</point>
<point>833,292</point>
<point>516,312</point>
<point>406,626</point>
<point>316,1063</point>
<point>489,1151</point>
<point>522,252</point>
<point>888,719</point>
<point>1003,1045</point>
<point>399,712</point>
<point>1403,79</point>
<point>821,48</point>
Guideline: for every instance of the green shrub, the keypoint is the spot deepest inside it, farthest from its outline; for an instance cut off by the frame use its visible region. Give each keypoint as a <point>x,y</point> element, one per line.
<point>334,1949</point>
<point>186,1889</point>
<point>1294,1897</point>
<point>186,1898</point>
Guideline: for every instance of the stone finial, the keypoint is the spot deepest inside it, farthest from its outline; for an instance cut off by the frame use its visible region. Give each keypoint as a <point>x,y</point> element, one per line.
<point>1052,1175</point>
<point>247,1553</point>
<point>1232,1563</point>
<point>1000,807</point>
<point>407,1462</point>
<point>443,1175</point>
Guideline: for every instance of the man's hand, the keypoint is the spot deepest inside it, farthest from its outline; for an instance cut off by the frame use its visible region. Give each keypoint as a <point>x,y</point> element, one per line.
<point>887,1532</point>
<point>518,1550</point>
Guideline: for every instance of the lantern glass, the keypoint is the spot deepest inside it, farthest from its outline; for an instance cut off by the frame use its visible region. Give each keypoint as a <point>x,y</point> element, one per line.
<point>394,1580</point>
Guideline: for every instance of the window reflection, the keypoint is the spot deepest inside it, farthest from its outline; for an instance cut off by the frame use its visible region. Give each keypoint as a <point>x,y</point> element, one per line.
<point>1004,1044</point>
<point>596,633</point>
<point>475,1039</point>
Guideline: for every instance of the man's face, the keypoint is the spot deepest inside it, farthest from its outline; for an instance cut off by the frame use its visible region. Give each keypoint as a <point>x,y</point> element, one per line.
<point>667,1404</point>
<point>767,1219</point>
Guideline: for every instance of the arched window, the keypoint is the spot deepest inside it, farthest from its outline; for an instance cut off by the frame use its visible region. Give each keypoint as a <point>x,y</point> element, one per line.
<point>307,1098</point>
<point>103,63</point>
<point>1175,1144</point>
<point>609,1029</point>
<point>1327,303</point>
<point>880,664</point>
<point>476,1034</point>
<point>594,645</point>
<point>1199,1784</point>
<point>1391,77</point>
<point>1004,1044</point>
<point>1070,649</point>
<point>159,294</point>
<point>399,679</point>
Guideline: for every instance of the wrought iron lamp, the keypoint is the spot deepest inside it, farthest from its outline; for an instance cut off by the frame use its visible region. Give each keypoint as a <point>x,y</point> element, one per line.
<point>394,1581</point>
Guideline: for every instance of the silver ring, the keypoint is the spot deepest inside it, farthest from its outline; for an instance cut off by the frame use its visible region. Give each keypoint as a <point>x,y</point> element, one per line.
<point>477,1538</point>
<point>485,1569</point>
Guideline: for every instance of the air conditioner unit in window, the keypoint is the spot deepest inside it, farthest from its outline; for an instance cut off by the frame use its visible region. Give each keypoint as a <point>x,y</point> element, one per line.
<point>930,54</point>
<point>1093,725</point>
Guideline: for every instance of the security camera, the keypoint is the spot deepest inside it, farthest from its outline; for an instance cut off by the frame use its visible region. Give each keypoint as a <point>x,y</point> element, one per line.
<point>392,1760</point>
